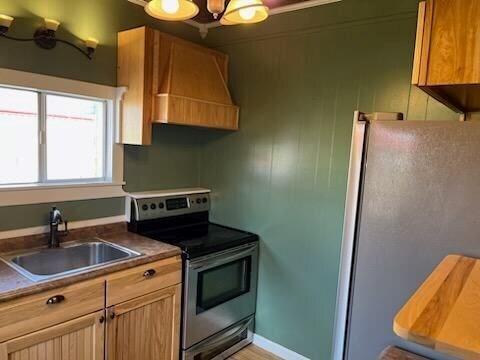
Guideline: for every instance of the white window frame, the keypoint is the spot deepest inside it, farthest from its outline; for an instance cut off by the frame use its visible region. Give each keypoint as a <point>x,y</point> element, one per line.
<point>83,189</point>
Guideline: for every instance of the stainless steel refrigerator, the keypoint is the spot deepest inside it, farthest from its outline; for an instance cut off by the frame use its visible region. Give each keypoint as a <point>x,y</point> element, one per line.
<point>413,197</point>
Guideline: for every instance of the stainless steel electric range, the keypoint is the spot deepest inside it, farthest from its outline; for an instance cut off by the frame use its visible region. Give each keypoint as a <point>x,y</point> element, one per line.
<point>220,266</point>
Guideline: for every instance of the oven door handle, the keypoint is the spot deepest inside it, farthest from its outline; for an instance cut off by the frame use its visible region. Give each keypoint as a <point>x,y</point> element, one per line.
<point>223,258</point>
<point>220,341</point>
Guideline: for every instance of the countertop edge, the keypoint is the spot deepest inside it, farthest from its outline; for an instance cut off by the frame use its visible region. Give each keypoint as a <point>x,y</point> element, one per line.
<point>39,287</point>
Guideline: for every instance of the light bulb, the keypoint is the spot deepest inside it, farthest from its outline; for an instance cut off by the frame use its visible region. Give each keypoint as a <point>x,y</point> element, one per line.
<point>5,21</point>
<point>170,6</point>
<point>247,13</point>
<point>91,43</point>
<point>51,24</point>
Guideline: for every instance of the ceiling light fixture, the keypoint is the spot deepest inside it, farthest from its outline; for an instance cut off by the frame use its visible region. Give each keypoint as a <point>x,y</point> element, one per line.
<point>244,12</point>
<point>238,11</point>
<point>172,10</point>
<point>45,36</point>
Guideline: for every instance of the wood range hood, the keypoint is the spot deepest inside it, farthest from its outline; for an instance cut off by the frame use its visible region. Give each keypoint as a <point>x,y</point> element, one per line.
<point>193,89</point>
<point>171,81</point>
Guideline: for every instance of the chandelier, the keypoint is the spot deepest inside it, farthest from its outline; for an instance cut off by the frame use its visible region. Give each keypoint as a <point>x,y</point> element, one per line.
<point>237,12</point>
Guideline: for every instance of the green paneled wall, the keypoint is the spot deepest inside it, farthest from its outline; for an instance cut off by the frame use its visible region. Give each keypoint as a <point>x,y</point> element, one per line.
<point>16,217</point>
<point>101,19</point>
<point>172,161</point>
<point>298,79</point>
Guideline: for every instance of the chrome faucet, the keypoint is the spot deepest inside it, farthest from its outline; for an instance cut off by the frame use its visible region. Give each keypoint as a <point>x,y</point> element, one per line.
<point>55,220</point>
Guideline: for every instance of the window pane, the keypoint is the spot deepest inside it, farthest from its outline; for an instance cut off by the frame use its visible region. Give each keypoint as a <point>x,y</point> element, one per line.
<point>18,136</point>
<point>75,138</point>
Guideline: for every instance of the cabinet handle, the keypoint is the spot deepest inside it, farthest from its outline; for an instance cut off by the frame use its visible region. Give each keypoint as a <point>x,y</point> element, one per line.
<point>149,273</point>
<point>102,319</point>
<point>57,299</point>
<point>112,315</point>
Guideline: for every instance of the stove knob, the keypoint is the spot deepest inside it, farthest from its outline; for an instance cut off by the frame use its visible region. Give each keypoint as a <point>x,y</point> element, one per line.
<point>144,207</point>
<point>204,200</point>
<point>161,205</point>
<point>153,206</point>
<point>199,201</point>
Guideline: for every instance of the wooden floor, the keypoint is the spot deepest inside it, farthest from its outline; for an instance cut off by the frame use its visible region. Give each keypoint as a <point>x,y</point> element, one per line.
<point>253,352</point>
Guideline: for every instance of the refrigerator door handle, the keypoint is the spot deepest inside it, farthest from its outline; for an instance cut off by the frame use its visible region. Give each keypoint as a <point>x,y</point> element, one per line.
<point>353,199</point>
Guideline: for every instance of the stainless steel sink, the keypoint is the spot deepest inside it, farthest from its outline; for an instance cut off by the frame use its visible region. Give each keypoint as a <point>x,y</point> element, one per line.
<point>73,257</point>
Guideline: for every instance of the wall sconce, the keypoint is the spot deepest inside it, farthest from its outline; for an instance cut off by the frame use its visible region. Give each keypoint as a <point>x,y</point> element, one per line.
<point>45,36</point>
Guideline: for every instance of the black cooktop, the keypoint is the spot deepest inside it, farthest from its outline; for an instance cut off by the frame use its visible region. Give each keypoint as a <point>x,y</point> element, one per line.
<point>205,239</point>
<point>194,234</point>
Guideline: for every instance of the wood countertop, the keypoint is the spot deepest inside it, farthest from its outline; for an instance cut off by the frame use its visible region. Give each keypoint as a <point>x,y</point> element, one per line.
<point>395,353</point>
<point>14,285</point>
<point>444,313</point>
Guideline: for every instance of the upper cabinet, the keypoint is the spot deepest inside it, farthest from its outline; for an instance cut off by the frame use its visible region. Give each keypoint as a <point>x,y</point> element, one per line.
<point>171,81</point>
<point>447,52</point>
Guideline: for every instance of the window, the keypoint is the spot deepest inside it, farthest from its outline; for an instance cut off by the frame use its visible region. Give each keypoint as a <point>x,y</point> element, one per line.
<point>57,139</point>
<point>50,138</point>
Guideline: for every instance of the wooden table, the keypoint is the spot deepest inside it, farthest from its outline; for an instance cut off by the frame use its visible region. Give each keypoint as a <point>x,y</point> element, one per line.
<point>444,313</point>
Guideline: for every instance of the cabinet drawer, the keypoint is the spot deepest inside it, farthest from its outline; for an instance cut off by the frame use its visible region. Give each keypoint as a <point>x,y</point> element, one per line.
<point>35,312</point>
<point>141,280</point>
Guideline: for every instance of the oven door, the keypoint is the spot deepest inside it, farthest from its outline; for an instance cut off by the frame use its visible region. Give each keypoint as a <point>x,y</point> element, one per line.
<point>220,290</point>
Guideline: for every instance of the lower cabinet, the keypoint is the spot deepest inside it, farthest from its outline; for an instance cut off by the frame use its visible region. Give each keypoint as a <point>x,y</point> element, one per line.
<point>145,328</point>
<point>79,339</point>
<point>132,315</point>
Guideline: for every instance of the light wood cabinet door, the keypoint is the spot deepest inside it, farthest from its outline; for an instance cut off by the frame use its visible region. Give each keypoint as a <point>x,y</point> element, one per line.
<point>454,42</point>
<point>79,339</point>
<point>145,328</point>
<point>447,53</point>
<point>134,71</point>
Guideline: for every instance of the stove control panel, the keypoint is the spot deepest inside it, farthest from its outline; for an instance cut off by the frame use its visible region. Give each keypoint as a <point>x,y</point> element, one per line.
<point>148,208</point>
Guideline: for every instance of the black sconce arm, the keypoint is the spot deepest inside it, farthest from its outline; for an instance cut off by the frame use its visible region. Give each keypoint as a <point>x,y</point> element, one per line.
<point>47,40</point>
<point>16,38</point>
<point>88,53</point>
